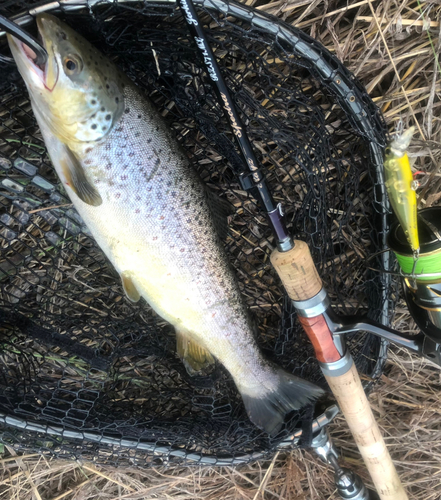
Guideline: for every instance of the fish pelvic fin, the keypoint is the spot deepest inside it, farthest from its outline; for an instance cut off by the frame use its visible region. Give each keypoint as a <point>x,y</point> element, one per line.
<point>268,410</point>
<point>129,287</point>
<point>195,357</point>
<point>76,178</point>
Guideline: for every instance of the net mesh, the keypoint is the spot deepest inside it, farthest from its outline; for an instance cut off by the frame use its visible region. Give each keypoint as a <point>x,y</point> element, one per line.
<point>85,373</point>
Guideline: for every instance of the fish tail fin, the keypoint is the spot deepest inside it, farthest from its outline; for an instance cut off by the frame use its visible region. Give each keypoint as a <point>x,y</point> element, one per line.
<point>268,409</point>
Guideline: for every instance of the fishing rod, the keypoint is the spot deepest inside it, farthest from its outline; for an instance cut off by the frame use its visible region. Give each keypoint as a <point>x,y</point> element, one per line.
<point>255,179</point>
<point>294,264</point>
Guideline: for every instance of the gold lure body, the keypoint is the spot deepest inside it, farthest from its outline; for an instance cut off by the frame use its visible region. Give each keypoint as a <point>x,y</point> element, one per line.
<point>401,187</point>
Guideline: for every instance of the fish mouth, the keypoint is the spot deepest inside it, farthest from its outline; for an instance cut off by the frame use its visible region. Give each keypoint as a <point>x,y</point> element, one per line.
<point>30,57</point>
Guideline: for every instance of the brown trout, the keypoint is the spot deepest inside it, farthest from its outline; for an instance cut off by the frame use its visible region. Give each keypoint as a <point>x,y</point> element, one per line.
<point>150,213</point>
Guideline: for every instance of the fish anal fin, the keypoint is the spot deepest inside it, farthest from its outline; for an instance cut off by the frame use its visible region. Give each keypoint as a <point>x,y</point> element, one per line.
<point>195,357</point>
<point>76,179</point>
<point>129,287</point>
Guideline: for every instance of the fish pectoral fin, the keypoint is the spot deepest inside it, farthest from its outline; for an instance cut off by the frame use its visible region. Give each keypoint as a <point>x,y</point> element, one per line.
<point>194,356</point>
<point>129,287</point>
<point>77,180</point>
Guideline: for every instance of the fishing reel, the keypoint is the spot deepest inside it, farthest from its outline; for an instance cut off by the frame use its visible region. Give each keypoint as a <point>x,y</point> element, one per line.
<point>421,281</point>
<point>422,277</point>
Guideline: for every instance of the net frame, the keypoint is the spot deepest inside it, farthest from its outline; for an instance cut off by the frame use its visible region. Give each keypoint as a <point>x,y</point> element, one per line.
<point>365,120</point>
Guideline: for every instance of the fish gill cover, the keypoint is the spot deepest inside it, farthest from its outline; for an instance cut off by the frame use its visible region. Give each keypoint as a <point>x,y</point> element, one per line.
<point>86,373</point>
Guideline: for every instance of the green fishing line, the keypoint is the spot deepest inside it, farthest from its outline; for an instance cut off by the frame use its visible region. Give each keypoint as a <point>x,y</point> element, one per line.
<point>425,264</point>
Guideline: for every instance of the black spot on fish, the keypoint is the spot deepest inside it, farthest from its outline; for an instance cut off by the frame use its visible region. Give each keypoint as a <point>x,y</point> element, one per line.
<point>108,117</point>
<point>157,128</point>
<point>127,110</point>
<point>124,177</point>
<point>94,126</point>
<point>103,129</point>
<point>137,134</point>
<point>131,154</point>
<point>88,150</point>
<point>157,162</point>
<point>103,109</point>
<point>107,85</point>
<point>93,102</point>
<point>117,100</point>
<point>139,116</point>
<point>149,141</point>
<point>93,116</point>
<point>173,193</point>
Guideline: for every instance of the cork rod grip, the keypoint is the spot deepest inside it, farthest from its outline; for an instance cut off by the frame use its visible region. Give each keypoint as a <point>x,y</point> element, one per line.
<point>355,407</point>
<point>297,271</point>
<point>301,280</point>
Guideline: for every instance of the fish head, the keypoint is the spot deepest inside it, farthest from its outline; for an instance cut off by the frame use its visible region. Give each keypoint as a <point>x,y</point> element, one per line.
<point>78,93</point>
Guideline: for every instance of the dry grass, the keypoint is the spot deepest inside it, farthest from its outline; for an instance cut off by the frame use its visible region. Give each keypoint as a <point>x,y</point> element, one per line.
<point>391,46</point>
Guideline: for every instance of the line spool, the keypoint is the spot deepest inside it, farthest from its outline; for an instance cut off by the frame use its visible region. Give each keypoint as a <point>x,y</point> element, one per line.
<point>424,288</point>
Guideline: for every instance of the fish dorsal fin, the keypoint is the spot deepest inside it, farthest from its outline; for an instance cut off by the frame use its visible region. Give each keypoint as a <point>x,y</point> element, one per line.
<point>76,178</point>
<point>129,287</point>
<point>220,210</point>
<point>194,356</point>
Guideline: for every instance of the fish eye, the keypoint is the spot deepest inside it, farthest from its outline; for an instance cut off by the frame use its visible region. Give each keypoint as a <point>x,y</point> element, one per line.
<point>72,65</point>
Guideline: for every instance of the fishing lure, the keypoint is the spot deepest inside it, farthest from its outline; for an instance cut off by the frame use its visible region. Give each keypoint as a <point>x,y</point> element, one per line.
<point>401,187</point>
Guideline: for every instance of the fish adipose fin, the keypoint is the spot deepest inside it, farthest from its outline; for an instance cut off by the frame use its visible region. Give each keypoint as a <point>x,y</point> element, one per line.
<point>194,357</point>
<point>77,180</point>
<point>292,393</point>
<point>129,288</point>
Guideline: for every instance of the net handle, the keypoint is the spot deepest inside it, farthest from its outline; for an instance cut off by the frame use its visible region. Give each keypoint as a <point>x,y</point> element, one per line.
<point>299,275</point>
